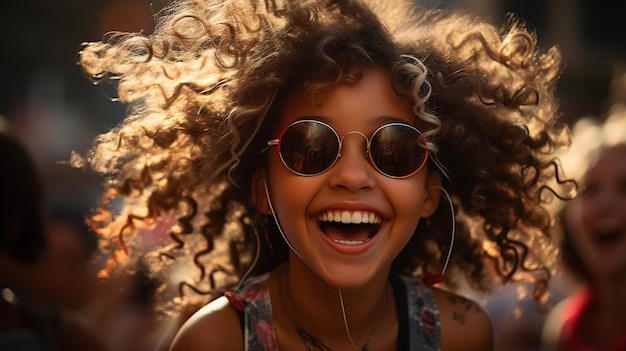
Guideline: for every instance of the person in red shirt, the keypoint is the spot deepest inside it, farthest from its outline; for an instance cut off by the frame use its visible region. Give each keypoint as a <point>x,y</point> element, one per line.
<point>593,248</point>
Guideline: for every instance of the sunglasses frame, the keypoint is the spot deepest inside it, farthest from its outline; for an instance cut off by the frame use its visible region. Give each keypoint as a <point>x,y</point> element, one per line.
<point>277,142</point>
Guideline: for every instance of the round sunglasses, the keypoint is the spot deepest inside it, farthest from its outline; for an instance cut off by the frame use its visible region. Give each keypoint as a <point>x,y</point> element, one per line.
<point>309,147</point>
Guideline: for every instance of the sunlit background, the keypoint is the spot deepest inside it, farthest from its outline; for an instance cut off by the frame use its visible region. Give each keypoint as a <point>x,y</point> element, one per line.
<point>56,110</point>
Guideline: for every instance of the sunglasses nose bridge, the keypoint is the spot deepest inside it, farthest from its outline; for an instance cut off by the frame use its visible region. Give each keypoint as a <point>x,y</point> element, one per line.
<point>367,141</point>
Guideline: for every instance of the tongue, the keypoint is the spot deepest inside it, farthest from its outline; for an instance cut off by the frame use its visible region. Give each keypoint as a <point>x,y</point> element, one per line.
<point>348,232</point>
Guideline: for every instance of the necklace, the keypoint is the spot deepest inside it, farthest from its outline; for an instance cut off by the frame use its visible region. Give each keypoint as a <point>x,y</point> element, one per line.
<point>311,342</point>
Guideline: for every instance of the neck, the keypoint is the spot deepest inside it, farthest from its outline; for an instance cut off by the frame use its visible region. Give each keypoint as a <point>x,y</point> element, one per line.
<point>609,293</point>
<point>316,306</point>
<point>607,316</point>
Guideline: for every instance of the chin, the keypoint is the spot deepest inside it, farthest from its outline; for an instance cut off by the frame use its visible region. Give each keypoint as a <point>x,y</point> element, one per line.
<point>347,278</point>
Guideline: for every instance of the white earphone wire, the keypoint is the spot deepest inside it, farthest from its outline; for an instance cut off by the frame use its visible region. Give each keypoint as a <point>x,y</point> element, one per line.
<point>343,308</point>
<point>280,229</point>
<point>445,265</point>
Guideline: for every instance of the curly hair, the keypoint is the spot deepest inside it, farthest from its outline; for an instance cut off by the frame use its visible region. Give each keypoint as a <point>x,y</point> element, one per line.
<point>203,89</point>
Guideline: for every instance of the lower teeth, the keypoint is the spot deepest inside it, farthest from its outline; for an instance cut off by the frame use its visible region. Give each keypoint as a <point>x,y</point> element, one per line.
<point>351,242</point>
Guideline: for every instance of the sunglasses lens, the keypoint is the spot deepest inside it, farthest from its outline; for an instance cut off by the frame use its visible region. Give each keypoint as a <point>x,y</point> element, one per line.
<point>308,148</point>
<point>395,150</point>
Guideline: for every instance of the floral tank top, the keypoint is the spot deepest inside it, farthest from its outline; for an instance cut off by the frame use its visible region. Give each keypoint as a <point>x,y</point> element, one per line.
<point>419,325</point>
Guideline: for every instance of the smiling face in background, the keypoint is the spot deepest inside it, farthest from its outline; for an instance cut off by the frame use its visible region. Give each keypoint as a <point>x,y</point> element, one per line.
<point>600,211</point>
<point>350,255</point>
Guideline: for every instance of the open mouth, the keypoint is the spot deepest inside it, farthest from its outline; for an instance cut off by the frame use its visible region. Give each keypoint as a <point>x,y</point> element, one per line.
<point>349,227</point>
<point>608,235</point>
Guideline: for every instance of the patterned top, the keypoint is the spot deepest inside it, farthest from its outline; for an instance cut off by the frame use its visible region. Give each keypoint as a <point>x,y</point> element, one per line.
<point>419,327</point>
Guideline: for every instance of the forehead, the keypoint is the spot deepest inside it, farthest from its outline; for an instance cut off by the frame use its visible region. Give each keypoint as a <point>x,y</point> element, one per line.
<point>368,98</point>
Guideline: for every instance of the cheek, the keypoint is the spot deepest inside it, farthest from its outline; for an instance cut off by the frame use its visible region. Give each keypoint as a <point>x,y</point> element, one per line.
<point>290,197</point>
<point>410,204</point>
<point>289,192</point>
<point>579,221</point>
<point>575,223</point>
<point>621,204</point>
<point>587,209</point>
<point>407,199</point>
<point>586,215</point>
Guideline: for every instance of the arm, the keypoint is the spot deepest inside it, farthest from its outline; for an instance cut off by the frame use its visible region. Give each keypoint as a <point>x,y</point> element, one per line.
<point>214,327</point>
<point>464,324</point>
<point>552,327</point>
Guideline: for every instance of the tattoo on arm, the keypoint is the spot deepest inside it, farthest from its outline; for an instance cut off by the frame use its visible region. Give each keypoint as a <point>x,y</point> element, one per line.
<point>459,317</point>
<point>461,307</point>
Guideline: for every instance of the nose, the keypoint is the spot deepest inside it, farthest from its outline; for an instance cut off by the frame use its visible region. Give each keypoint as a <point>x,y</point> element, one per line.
<point>353,170</point>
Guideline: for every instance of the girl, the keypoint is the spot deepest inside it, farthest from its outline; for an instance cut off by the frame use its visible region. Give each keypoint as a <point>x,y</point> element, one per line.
<point>322,163</point>
<point>593,247</point>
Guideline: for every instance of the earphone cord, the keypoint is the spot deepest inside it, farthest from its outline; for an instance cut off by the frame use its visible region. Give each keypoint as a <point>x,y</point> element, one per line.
<point>280,229</point>
<point>345,321</point>
<point>343,308</point>
<point>445,265</point>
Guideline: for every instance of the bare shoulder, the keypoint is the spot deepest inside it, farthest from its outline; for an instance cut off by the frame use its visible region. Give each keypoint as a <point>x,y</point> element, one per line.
<point>552,326</point>
<point>213,327</point>
<point>465,325</point>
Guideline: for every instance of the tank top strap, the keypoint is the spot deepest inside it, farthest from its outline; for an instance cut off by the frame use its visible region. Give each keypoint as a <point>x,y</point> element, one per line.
<point>424,322</point>
<point>259,331</point>
<point>424,330</point>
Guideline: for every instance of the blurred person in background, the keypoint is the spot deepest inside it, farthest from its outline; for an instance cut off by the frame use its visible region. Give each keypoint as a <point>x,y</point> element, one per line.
<point>518,317</point>
<point>44,264</point>
<point>123,311</point>
<point>593,248</point>
<point>200,157</point>
<point>596,160</point>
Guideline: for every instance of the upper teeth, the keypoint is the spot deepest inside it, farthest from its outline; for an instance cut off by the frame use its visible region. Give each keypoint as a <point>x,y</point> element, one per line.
<point>350,217</point>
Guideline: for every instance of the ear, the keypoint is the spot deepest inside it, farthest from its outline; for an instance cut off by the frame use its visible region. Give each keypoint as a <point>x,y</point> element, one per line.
<point>259,195</point>
<point>433,194</point>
